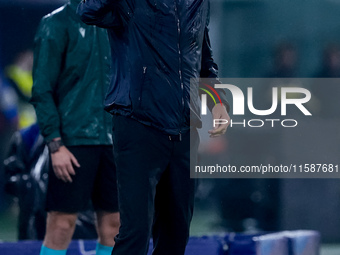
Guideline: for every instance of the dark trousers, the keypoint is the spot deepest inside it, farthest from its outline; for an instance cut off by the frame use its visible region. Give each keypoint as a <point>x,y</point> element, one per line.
<point>155,191</point>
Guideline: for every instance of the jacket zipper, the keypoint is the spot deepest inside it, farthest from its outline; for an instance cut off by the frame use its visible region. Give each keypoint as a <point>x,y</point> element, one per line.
<point>180,66</point>
<point>106,62</point>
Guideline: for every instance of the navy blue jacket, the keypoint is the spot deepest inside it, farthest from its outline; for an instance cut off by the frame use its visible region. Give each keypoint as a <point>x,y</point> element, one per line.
<point>157,47</point>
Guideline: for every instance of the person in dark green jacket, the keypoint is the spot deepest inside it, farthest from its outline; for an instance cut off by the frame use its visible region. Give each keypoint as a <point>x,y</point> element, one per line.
<point>71,63</point>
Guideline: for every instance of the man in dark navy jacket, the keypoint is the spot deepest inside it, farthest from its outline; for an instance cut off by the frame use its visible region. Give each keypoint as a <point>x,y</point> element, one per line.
<point>157,47</point>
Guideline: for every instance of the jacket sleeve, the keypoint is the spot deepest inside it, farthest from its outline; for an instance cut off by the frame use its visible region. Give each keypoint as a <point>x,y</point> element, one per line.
<point>209,69</point>
<point>49,47</point>
<point>102,13</point>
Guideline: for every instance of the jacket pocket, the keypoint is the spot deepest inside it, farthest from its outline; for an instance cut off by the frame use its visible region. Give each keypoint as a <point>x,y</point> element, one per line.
<point>144,99</point>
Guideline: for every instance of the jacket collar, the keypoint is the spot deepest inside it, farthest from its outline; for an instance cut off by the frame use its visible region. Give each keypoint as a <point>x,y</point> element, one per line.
<point>72,8</point>
<point>74,3</point>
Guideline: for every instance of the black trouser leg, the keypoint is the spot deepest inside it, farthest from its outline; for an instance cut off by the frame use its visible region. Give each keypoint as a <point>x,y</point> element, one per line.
<point>141,157</point>
<point>175,201</point>
<point>148,164</point>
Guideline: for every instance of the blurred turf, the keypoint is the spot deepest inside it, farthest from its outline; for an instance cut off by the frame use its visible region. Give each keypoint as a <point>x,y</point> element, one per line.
<point>8,224</point>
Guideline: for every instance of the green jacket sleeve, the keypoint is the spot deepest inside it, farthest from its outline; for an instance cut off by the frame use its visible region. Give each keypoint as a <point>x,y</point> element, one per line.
<point>49,46</point>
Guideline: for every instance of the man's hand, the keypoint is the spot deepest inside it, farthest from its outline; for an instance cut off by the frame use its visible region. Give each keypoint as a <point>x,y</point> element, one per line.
<point>62,163</point>
<point>219,112</point>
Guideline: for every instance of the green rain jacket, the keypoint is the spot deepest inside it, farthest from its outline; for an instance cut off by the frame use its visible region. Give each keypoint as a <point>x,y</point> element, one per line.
<point>70,79</point>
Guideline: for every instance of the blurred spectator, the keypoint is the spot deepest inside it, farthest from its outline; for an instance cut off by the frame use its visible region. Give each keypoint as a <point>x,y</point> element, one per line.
<point>19,75</point>
<point>285,61</point>
<point>8,106</point>
<point>326,94</point>
<point>284,73</point>
<point>266,146</point>
<point>26,175</point>
<point>330,67</point>
<point>8,124</point>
